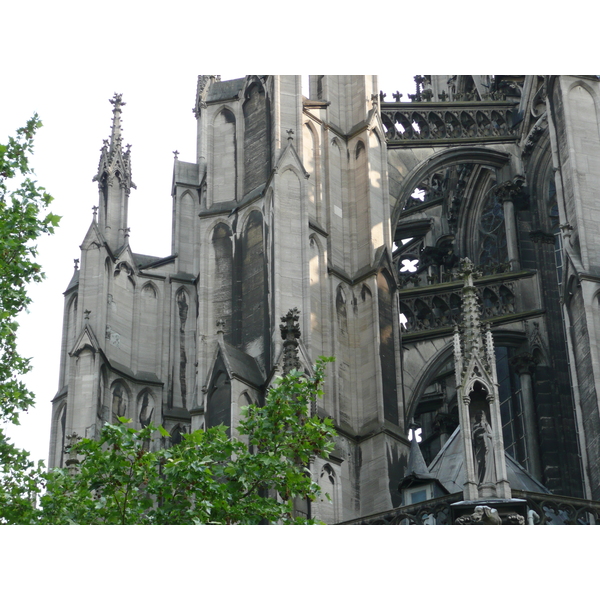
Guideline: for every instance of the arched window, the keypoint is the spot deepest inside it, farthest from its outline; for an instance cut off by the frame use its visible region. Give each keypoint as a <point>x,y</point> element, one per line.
<point>436,411</point>
<point>257,149</point>
<point>119,402</point>
<point>492,233</point>
<point>146,407</point>
<point>224,173</point>
<point>327,508</point>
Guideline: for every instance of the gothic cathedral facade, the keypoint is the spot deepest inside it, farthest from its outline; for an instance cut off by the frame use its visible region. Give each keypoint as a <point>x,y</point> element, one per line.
<point>357,211</point>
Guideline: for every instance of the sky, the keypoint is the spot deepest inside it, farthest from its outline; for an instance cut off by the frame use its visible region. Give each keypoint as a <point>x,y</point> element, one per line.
<point>64,61</point>
<point>157,119</point>
<point>68,80</point>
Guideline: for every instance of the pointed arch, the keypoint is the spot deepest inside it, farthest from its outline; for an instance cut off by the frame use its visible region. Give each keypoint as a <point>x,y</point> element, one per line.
<point>343,363</point>
<point>59,427</point>
<point>223,175</point>
<point>251,312</point>
<point>148,323</point>
<point>328,504</point>
<point>360,207</point>
<point>70,334</point>
<point>387,344</point>
<point>445,158</point>
<point>221,267</point>
<point>146,408</point>
<point>365,332</point>
<point>317,276</point>
<point>257,135</point>
<point>219,399</point>
<point>311,161</point>
<point>377,192</point>
<point>184,335</point>
<point>103,405</point>
<point>177,433</point>
<point>120,395</point>
<point>338,225</point>
<point>150,291</point>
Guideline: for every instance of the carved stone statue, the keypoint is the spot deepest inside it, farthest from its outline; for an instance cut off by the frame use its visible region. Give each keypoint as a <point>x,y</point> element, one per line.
<point>483,515</point>
<point>483,449</point>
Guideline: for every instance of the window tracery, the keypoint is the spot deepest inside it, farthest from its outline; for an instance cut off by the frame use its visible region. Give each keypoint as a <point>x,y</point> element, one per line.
<point>492,233</point>
<point>436,412</point>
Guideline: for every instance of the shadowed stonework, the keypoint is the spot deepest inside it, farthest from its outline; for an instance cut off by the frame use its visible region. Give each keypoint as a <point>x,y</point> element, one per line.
<point>350,213</point>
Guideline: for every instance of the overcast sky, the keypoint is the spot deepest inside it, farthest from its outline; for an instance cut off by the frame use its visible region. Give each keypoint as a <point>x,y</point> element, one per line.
<point>65,61</point>
<point>68,80</point>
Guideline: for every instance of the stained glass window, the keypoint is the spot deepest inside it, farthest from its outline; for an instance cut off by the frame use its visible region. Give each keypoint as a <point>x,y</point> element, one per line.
<point>492,233</point>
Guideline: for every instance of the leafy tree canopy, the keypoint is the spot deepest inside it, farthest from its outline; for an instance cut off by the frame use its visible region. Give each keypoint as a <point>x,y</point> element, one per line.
<point>23,218</point>
<point>22,221</point>
<point>208,478</point>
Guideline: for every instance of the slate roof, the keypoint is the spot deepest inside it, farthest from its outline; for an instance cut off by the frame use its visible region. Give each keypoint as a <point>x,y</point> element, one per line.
<point>144,261</point>
<point>187,173</point>
<point>448,468</point>
<point>416,463</point>
<point>223,90</point>
<point>243,365</point>
<point>74,281</point>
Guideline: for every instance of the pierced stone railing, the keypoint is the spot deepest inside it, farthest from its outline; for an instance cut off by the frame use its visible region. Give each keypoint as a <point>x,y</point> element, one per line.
<point>433,309</point>
<point>561,510</point>
<point>430,512</point>
<point>426,122</point>
<point>549,509</point>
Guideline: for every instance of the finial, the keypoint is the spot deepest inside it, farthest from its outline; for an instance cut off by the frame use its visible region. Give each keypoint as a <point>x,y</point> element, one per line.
<point>290,332</point>
<point>115,135</point>
<point>76,261</point>
<point>95,211</point>
<point>468,271</point>
<point>397,96</point>
<point>117,101</point>
<point>290,133</point>
<point>176,153</point>
<point>87,314</point>
<point>72,463</point>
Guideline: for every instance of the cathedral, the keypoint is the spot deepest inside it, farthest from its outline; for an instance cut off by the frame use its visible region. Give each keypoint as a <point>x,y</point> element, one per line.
<point>443,247</point>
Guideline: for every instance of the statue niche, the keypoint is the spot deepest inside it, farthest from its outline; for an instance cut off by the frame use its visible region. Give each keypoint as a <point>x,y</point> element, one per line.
<point>482,437</point>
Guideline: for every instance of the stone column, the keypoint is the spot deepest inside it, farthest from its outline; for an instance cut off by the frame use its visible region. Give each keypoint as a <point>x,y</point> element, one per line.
<point>510,193</point>
<point>523,364</point>
<point>511,233</point>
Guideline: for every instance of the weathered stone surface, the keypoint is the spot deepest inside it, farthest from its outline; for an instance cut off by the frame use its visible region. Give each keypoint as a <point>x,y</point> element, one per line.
<point>303,203</point>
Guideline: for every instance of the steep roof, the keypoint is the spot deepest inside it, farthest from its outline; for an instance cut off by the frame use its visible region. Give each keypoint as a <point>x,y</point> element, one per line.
<point>243,365</point>
<point>448,468</point>
<point>224,90</point>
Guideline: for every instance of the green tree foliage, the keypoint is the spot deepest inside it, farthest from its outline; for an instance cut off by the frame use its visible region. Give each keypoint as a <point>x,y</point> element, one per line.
<point>23,219</point>
<point>208,477</point>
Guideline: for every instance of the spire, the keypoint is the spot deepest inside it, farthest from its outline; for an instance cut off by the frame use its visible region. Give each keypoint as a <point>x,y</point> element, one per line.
<point>478,402</point>
<point>416,462</point>
<point>471,329</point>
<point>115,135</point>
<point>114,180</point>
